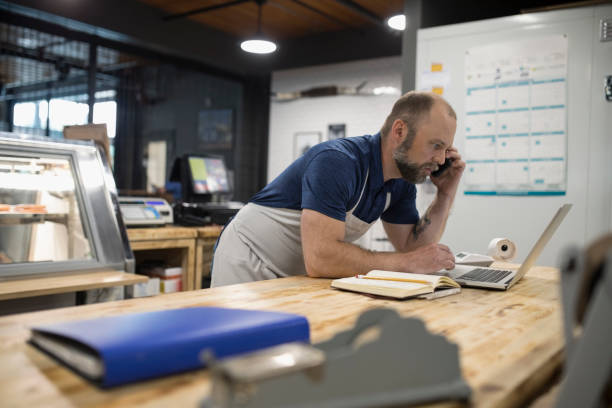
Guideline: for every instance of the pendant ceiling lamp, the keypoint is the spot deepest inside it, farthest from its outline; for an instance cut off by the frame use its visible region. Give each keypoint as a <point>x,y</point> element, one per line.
<point>258,44</point>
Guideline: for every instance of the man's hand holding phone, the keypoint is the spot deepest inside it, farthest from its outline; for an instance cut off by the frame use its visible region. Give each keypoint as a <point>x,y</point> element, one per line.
<point>447,177</point>
<point>447,163</point>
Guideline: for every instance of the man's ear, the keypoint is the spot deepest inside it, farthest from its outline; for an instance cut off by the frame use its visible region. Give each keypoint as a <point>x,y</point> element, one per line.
<point>398,131</point>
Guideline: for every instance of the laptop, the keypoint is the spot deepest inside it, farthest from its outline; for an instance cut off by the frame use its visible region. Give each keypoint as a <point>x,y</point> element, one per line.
<point>493,278</point>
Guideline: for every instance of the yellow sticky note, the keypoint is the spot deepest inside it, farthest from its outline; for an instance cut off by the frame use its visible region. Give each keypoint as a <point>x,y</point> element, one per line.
<point>437,90</point>
<point>436,67</point>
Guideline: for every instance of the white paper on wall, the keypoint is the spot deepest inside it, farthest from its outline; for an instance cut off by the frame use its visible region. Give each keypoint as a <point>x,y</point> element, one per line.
<point>515,117</point>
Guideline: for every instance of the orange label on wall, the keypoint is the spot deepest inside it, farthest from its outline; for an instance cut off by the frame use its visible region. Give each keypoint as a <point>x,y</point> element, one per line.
<point>436,67</point>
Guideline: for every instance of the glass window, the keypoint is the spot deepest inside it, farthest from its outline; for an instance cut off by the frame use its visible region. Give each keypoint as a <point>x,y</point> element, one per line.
<point>31,114</point>
<point>106,112</point>
<point>24,114</point>
<point>63,112</point>
<point>31,117</point>
<point>43,113</point>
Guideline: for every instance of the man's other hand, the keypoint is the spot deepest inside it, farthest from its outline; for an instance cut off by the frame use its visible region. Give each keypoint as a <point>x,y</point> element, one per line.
<point>429,258</point>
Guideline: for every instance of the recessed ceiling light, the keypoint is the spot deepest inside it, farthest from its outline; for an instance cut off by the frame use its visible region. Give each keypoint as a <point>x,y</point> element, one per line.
<point>258,46</point>
<point>397,22</point>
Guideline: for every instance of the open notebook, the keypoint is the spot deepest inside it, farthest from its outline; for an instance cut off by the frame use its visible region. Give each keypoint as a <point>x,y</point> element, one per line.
<point>398,285</point>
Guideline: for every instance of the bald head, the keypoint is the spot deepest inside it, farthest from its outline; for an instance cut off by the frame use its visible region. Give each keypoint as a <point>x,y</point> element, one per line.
<point>412,108</point>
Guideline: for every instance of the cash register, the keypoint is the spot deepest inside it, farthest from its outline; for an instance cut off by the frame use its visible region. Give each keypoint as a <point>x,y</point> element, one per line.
<point>202,188</point>
<point>145,211</point>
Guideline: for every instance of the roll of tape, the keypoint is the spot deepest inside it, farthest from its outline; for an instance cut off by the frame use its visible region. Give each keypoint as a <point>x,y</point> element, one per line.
<point>501,249</point>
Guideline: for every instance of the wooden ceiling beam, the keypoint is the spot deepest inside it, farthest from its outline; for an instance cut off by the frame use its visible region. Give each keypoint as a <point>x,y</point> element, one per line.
<point>362,11</point>
<point>204,10</point>
<point>322,13</point>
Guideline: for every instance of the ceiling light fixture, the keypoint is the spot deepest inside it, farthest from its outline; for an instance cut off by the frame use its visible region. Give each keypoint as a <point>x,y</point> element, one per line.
<point>386,90</point>
<point>397,22</point>
<point>258,44</point>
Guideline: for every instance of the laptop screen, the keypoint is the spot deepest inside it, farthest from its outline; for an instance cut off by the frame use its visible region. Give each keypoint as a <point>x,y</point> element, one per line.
<point>541,242</point>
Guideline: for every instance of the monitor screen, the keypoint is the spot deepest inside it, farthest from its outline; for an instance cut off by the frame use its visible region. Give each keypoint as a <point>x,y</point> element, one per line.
<point>208,175</point>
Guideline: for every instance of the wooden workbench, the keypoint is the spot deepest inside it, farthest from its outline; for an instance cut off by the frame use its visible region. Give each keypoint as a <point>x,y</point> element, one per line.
<point>510,342</point>
<point>187,247</point>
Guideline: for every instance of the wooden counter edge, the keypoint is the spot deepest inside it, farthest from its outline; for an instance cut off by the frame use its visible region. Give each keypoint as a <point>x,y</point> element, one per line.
<point>54,284</point>
<point>170,232</point>
<point>210,231</point>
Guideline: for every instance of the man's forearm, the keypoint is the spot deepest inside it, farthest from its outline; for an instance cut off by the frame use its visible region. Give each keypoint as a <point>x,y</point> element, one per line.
<point>326,255</point>
<point>338,258</point>
<point>430,227</point>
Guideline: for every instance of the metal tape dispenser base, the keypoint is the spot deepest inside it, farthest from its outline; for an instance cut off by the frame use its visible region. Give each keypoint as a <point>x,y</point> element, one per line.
<point>385,360</point>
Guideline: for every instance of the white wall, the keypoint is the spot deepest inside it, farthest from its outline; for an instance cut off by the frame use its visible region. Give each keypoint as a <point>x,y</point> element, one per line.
<point>361,114</point>
<point>477,219</point>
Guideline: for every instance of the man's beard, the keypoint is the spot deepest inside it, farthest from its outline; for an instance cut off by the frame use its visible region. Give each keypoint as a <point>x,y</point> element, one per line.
<point>410,171</point>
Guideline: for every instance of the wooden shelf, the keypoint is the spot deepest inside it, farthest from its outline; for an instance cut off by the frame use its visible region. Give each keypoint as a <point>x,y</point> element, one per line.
<point>31,218</point>
<point>188,247</point>
<point>174,244</point>
<point>49,285</point>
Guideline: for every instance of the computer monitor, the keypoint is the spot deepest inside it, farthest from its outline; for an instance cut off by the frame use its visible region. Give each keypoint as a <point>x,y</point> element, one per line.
<point>207,175</point>
<point>199,178</point>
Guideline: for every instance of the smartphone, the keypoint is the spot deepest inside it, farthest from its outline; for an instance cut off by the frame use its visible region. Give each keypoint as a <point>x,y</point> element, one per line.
<point>442,168</point>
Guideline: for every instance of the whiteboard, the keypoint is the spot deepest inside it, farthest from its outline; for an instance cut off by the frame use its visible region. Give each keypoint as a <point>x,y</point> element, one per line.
<point>515,117</point>
<point>476,219</point>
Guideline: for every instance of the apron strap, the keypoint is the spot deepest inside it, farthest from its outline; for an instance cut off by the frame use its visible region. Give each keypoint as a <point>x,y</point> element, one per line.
<point>365,183</point>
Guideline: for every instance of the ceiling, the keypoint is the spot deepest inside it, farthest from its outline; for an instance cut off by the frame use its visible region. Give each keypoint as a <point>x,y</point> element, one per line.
<point>35,50</point>
<point>30,56</point>
<point>281,19</point>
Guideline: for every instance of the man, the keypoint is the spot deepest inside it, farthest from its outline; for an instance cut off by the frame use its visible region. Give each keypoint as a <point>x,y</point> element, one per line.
<point>304,221</point>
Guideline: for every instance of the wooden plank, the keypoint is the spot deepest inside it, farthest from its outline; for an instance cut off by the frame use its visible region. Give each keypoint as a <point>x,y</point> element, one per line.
<point>514,335</point>
<point>204,249</point>
<point>199,261</point>
<point>189,267</point>
<point>171,232</point>
<point>211,231</point>
<point>549,398</point>
<point>48,285</point>
<point>162,244</point>
<point>207,236</point>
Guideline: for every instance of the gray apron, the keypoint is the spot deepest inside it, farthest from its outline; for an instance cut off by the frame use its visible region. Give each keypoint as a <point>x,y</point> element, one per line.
<point>354,228</point>
<point>265,242</point>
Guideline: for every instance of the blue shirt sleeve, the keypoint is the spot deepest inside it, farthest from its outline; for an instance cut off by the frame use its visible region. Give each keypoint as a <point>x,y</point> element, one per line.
<point>402,209</point>
<point>328,183</point>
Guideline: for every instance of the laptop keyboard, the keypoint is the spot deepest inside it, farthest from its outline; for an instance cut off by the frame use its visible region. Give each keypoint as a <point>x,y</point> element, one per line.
<point>485,275</point>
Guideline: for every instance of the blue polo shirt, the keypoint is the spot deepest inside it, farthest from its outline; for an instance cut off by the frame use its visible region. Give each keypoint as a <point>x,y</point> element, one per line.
<point>329,178</point>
